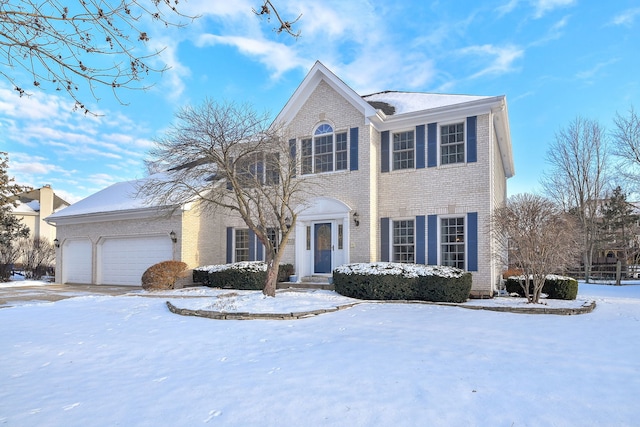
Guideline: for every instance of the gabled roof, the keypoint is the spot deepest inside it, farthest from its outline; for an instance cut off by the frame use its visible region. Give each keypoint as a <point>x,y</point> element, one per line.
<point>317,74</point>
<point>32,195</point>
<point>120,199</point>
<point>392,110</point>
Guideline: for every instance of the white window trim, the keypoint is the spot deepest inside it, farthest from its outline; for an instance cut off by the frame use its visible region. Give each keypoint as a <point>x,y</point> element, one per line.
<point>391,243</point>
<point>313,136</point>
<point>439,142</point>
<point>392,151</point>
<point>466,236</point>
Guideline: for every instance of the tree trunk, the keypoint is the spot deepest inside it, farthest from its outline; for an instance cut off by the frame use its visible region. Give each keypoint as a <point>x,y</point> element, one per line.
<point>272,280</point>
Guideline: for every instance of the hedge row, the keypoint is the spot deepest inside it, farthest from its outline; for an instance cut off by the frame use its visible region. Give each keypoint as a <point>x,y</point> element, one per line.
<point>556,287</point>
<point>392,281</point>
<point>241,275</point>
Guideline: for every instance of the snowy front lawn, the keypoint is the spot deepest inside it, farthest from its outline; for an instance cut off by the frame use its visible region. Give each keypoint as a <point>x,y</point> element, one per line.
<point>127,360</point>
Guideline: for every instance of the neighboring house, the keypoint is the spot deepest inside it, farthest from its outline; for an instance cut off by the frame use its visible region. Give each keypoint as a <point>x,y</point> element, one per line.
<point>36,205</point>
<point>405,177</point>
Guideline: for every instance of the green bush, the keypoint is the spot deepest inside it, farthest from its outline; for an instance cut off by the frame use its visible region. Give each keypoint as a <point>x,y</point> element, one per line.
<point>556,287</point>
<point>560,287</point>
<point>240,275</point>
<point>393,281</point>
<point>201,275</point>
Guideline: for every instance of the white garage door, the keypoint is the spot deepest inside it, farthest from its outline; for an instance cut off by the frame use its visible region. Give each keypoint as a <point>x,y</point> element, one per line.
<point>122,261</point>
<point>76,261</point>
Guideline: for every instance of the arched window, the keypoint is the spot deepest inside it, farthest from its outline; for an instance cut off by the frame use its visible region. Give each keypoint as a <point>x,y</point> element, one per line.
<point>325,152</point>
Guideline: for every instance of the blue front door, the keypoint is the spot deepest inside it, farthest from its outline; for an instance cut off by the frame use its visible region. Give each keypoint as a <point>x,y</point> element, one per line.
<point>322,248</point>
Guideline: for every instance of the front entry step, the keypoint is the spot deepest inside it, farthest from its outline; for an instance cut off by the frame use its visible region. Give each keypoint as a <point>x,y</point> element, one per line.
<point>310,282</point>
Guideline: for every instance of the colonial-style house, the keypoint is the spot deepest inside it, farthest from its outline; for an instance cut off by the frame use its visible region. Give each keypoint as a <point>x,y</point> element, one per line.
<point>406,177</point>
<point>34,206</point>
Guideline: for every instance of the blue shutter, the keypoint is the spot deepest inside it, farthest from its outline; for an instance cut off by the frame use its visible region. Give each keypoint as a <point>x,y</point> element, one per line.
<point>472,241</point>
<point>252,246</point>
<point>353,148</point>
<point>432,145</point>
<point>259,250</point>
<point>384,147</point>
<point>229,245</point>
<point>292,152</point>
<point>432,242</point>
<point>420,243</point>
<point>420,153</point>
<point>472,140</point>
<point>384,239</point>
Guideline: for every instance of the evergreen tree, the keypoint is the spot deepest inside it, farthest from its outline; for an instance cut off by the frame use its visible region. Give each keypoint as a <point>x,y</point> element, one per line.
<point>11,228</point>
<point>619,219</point>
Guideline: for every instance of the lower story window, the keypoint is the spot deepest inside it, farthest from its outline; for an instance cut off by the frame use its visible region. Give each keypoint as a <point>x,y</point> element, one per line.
<point>452,242</point>
<point>404,241</point>
<point>242,245</point>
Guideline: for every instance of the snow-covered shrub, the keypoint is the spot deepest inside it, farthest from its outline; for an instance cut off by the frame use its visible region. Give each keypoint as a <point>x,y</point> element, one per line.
<point>163,275</point>
<point>560,287</point>
<point>239,275</point>
<point>395,281</point>
<point>202,274</point>
<point>556,287</point>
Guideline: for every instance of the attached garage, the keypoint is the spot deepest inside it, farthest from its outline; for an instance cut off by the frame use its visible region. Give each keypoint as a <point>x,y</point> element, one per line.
<point>76,266</point>
<point>122,261</point>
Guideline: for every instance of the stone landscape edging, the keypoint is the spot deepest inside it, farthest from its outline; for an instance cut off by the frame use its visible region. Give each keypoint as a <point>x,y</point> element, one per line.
<point>222,315</point>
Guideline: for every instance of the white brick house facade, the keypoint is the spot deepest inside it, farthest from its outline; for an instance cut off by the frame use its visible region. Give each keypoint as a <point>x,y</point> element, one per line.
<point>408,177</point>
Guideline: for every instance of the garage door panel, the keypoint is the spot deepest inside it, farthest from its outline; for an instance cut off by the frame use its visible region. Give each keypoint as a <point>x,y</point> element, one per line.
<point>124,260</point>
<point>76,261</point>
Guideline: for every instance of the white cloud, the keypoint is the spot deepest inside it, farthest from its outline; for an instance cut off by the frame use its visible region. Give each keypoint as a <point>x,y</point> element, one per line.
<point>590,74</point>
<point>542,7</point>
<point>495,60</point>
<point>627,17</point>
<point>277,57</point>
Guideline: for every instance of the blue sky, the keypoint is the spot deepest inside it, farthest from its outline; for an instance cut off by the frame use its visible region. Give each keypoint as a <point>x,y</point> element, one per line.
<point>553,59</point>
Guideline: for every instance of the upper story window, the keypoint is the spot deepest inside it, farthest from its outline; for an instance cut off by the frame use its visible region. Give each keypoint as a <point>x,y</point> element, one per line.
<point>258,169</point>
<point>403,150</point>
<point>325,152</point>
<point>452,143</point>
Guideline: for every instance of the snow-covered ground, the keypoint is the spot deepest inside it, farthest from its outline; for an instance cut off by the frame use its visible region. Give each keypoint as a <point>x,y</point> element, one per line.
<point>126,360</point>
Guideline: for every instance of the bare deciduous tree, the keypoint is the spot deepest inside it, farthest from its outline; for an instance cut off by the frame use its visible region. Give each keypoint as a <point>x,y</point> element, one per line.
<point>577,179</point>
<point>536,237</point>
<point>268,8</point>
<point>62,45</point>
<point>626,144</point>
<point>36,254</point>
<point>65,46</point>
<point>229,159</point>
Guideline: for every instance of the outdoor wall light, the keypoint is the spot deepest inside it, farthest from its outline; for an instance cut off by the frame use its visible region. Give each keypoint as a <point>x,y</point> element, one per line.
<point>287,222</point>
<point>356,219</point>
<point>174,239</point>
<point>56,243</point>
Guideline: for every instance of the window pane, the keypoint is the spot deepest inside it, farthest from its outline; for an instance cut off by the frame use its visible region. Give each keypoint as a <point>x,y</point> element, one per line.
<point>403,241</point>
<point>403,150</point>
<point>324,153</point>
<point>307,156</point>
<point>242,245</point>
<point>452,143</point>
<point>341,151</point>
<point>452,242</point>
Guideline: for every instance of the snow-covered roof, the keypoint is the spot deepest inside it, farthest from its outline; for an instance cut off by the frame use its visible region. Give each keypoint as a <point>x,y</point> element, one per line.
<point>117,197</point>
<point>409,102</point>
<point>29,208</point>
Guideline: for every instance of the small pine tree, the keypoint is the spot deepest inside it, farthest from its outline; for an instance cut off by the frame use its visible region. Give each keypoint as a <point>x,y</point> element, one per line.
<point>11,228</point>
